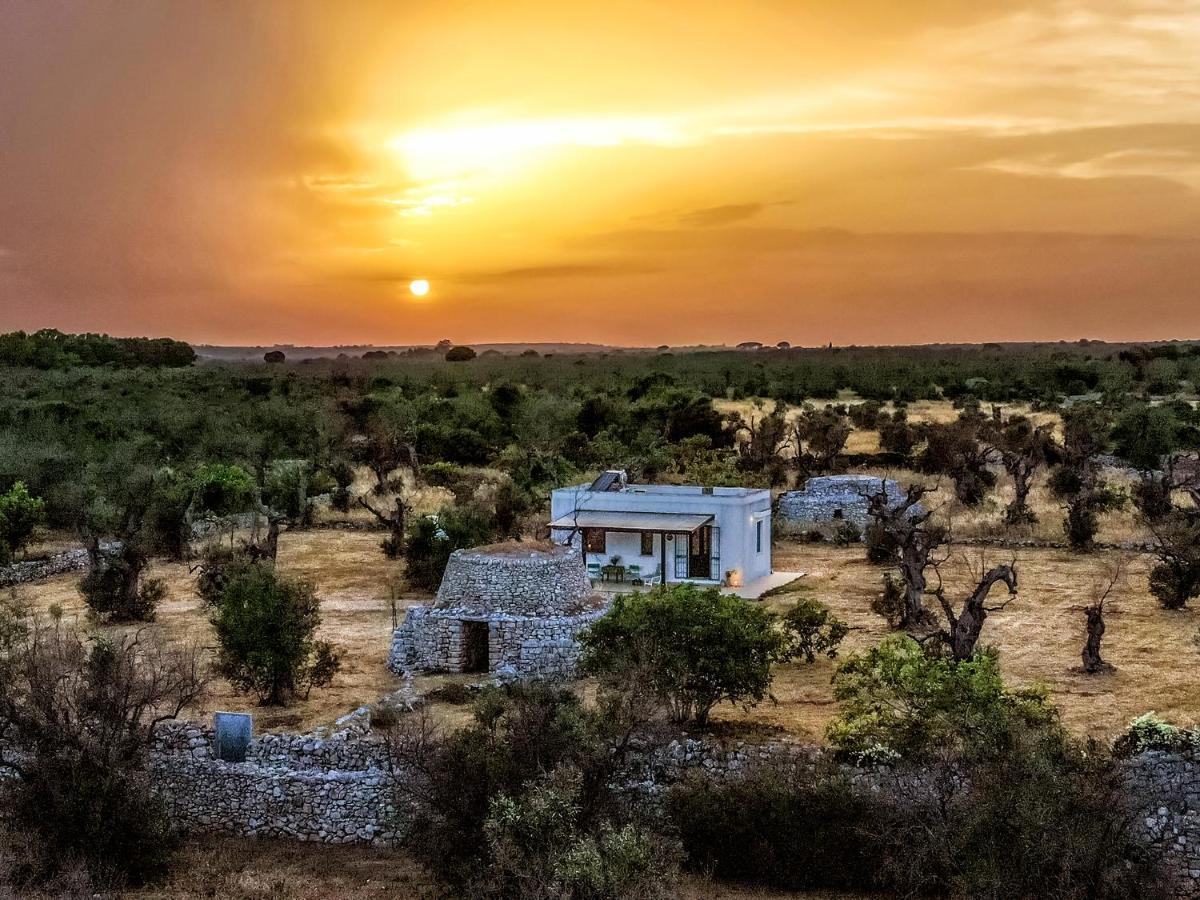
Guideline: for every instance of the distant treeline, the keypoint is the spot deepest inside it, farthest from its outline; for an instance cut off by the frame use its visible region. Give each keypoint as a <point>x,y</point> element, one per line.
<point>50,349</point>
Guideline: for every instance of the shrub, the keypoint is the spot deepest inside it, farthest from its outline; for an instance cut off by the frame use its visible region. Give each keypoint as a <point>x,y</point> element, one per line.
<point>881,544</point>
<point>898,698</point>
<point>891,604</point>
<point>1014,808</point>
<point>265,627</point>
<point>786,826</point>
<point>847,533</point>
<point>524,796</point>
<point>696,647</point>
<point>865,415</point>
<point>813,629</point>
<point>85,709</point>
<point>460,354</point>
<point>218,566</point>
<point>432,539</point>
<point>116,591</point>
<point>21,515</point>
<point>1175,578</point>
<point>538,849</point>
<point>1149,732</point>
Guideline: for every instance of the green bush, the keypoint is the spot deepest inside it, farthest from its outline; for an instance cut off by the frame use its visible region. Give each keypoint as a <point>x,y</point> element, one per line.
<point>539,851</point>
<point>218,566</point>
<point>695,647</point>
<point>1149,732</point>
<point>898,699</point>
<point>265,626</point>
<point>521,803</point>
<point>812,629</point>
<point>1034,814</point>
<point>787,827</point>
<point>21,515</point>
<point>432,539</point>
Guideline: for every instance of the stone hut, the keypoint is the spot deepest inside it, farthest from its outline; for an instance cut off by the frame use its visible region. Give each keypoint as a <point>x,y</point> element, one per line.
<point>827,501</point>
<point>513,608</point>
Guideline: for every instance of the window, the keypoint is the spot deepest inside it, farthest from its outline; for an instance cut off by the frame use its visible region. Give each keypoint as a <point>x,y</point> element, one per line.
<point>594,540</point>
<point>647,543</point>
<point>758,536</point>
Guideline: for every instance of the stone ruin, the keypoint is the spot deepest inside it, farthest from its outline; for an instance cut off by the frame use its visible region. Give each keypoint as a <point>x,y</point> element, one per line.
<point>829,500</point>
<point>512,608</point>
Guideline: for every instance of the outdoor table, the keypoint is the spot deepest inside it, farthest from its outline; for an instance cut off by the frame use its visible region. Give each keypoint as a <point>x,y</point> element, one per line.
<point>612,573</point>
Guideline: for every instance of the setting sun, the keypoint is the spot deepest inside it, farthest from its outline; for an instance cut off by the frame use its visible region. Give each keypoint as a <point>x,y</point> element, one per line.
<point>419,288</point>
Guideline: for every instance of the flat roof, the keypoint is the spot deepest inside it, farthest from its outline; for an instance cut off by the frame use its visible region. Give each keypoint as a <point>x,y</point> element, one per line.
<point>632,521</point>
<point>671,489</point>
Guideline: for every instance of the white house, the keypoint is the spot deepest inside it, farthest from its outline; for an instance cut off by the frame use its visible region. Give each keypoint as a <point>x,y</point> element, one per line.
<point>664,532</point>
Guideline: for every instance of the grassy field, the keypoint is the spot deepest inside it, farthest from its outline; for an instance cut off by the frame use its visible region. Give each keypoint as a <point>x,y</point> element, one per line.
<point>1039,634</point>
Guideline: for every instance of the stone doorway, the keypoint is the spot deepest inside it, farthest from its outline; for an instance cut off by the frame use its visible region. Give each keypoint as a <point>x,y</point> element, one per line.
<point>474,646</point>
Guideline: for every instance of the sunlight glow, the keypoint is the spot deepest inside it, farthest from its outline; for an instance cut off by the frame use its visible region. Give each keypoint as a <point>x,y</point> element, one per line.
<point>419,287</point>
<point>456,152</point>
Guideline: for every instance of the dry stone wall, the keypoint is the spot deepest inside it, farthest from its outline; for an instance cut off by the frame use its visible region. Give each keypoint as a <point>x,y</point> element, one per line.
<point>531,600</point>
<point>32,570</point>
<point>331,789</point>
<point>341,788</point>
<point>830,499</point>
<point>538,583</point>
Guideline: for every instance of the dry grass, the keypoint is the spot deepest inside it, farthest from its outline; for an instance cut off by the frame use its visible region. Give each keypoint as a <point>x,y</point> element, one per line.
<point>243,869</point>
<point>1039,635</point>
<point>353,580</point>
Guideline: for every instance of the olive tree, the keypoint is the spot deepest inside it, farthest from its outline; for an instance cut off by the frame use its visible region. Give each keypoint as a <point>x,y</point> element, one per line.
<point>21,515</point>
<point>266,626</point>
<point>695,646</point>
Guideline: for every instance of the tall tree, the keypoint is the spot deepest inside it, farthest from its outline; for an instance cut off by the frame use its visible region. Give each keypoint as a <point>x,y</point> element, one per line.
<point>964,625</point>
<point>901,532</point>
<point>1023,449</point>
<point>1077,479</point>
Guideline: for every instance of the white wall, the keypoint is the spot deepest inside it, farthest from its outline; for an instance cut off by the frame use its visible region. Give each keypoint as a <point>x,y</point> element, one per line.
<point>734,512</point>
<point>628,546</point>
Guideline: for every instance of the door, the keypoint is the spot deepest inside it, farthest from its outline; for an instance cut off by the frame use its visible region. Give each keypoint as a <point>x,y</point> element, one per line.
<point>475,646</point>
<point>700,553</point>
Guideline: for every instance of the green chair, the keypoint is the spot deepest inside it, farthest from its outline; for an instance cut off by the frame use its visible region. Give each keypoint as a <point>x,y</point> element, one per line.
<point>635,575</point>
<point>593,570</point>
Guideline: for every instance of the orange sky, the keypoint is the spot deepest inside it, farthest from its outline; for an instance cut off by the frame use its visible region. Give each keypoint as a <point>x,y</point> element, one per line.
<point>857,171</point>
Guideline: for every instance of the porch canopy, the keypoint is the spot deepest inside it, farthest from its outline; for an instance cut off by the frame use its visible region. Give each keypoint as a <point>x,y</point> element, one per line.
<point>633,521</point>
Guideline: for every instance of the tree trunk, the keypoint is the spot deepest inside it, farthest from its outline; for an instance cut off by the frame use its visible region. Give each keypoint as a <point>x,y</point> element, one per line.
<point>965,628</point>
<point>913,561</point>
<point>1092,663</point>
<point>270,547</point>
<point>1018,512</point>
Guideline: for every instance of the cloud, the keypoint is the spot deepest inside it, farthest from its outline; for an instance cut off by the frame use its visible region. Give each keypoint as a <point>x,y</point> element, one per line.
<point>713,216</point>
<point>558,271</point>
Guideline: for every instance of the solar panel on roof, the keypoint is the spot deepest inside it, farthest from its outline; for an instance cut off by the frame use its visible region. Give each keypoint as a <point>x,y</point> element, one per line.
<point>606,482</point>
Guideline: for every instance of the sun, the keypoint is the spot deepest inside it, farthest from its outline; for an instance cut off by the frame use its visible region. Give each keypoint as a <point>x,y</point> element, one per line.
<point>419,287</point>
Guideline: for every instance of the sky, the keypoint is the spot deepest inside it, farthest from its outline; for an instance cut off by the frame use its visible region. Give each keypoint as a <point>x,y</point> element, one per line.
<point>846,171</point>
